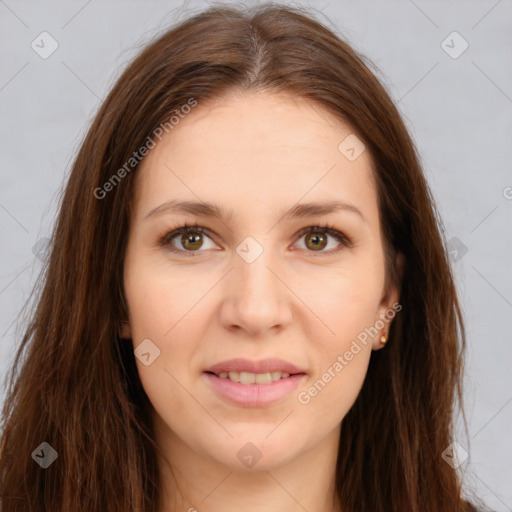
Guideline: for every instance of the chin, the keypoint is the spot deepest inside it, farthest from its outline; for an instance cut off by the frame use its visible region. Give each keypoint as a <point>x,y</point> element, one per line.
<point>254,449</point>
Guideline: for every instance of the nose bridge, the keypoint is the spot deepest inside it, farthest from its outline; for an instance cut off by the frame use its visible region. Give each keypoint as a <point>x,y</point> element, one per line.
<point>257,294</point>
<point>253,263</point>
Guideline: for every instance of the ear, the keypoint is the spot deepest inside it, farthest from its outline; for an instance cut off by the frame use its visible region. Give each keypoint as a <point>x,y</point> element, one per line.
<point>390,305</point>
<point>125,331</point>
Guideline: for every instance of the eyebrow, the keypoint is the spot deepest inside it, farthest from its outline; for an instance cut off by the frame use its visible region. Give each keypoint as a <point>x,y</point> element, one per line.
<point>206,209</point>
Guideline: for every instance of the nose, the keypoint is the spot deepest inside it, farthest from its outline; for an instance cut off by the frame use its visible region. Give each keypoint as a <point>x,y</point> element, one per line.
<point>257,298</point>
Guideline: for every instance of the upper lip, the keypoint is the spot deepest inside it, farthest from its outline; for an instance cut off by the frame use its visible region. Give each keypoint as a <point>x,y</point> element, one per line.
<point>262,366</point>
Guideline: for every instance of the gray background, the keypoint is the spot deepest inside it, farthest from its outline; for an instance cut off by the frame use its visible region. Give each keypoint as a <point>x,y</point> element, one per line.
<point>459,112</point>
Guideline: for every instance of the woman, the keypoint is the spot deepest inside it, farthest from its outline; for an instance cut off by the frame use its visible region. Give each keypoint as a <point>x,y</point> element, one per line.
<point>248,304</point>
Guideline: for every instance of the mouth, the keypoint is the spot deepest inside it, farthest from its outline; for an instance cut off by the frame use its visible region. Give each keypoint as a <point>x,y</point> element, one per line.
<point>245,369</point>
<point>254,383</point>
<point>249,378</point>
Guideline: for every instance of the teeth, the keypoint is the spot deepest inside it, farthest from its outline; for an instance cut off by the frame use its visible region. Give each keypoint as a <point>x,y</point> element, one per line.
<point>234,376</point>
<point>248,378</point>
<point>259,378</point>
<point>254,378</point>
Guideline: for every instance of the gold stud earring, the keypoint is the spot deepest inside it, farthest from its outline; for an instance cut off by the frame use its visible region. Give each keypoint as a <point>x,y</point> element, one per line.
<point>383,339</point>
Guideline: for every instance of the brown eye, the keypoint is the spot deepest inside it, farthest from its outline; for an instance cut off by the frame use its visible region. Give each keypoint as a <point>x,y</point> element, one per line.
<point>317,238</point>
<point>316,241</point>
<point>193,238</point>
<point>191,241</point>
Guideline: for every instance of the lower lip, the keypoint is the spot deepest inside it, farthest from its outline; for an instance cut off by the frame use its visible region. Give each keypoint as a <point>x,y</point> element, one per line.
<point>254,395</point>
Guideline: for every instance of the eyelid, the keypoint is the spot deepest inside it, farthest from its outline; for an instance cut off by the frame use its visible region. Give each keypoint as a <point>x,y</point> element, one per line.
<point>166,239</point>
<point>169,235</point>
<point>326,228</point>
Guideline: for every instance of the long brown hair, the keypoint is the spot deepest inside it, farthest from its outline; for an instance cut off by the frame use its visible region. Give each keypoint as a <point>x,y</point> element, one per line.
<point>78,388</point>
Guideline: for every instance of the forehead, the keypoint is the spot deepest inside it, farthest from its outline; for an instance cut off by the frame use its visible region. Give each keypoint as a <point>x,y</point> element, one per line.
<point>263,148</point>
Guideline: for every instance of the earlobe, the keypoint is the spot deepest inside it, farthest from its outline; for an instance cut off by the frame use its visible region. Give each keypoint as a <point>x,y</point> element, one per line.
<point>386,315</point>
<point>381,341</point>
<point>388,307</point>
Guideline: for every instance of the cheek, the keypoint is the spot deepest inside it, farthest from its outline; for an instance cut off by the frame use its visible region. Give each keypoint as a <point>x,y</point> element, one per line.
<point>340,360</point>
<point>159,298</point>
<point>161,310</point>
<point>344,299</point>
<point>346,302</point>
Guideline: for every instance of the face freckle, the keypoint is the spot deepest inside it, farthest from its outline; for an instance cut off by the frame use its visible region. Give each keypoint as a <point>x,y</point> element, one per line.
<point>253,289</point>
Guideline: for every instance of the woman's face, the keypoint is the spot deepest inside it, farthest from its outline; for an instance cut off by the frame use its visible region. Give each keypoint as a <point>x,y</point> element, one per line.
<point>251,285</point>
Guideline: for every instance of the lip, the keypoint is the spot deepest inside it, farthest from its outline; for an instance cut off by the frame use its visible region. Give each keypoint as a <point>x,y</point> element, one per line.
<point>263,366</point>
<point>254,395</point>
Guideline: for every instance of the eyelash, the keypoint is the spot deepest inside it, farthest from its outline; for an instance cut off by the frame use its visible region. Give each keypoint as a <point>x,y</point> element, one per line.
<point>166,239</point>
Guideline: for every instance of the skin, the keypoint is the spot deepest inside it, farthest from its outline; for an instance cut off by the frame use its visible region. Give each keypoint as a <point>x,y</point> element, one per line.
<point>256,154</point>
